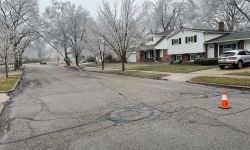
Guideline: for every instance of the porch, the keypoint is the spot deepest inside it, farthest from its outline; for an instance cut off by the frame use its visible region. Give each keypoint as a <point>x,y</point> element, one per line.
<point>152,55</point>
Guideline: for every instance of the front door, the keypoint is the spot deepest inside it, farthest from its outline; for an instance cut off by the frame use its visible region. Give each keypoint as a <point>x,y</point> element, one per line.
<point>158,55</point>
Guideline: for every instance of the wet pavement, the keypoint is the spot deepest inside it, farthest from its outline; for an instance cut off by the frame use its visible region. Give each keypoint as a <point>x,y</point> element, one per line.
<point>55,108</point>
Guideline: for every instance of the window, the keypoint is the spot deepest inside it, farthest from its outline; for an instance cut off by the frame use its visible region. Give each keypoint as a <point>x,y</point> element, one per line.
<point>227,47</point>
<point>152,54</point>
<point>150,39</point>
<point>242,53</point>
<point>192,58</point>
<point>191,39</point>
<point>178,58</point>
<point>176,41</point>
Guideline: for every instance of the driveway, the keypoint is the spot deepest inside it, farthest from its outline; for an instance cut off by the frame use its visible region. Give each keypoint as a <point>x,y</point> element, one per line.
<point>55,108</point>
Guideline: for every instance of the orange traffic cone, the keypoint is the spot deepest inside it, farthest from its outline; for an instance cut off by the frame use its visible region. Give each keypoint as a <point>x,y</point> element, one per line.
<point>224,101</point>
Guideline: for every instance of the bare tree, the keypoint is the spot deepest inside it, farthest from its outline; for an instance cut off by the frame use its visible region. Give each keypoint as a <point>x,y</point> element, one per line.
<point>55,25</point>
<point>168,14</point>
<point>243,6</point>
<point>77,26</point>
<point>5,47</point>
<point>17,16</point>
<point>66,27</point>
<point>122,27</point>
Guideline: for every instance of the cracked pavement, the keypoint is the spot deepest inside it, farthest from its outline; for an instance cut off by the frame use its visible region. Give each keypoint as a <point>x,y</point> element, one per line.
<point>55,108</point>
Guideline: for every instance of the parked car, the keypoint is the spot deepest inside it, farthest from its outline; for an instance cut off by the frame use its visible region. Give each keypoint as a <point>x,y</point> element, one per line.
<point>43,62</point>
<point>236,58</point>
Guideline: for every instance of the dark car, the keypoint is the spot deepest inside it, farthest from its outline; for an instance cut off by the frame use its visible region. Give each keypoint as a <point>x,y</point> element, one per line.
<point>43,62</point>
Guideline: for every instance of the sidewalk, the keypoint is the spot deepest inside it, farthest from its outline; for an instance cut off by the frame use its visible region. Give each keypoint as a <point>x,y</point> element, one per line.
<point>3,96</point>
<point>183,77</point>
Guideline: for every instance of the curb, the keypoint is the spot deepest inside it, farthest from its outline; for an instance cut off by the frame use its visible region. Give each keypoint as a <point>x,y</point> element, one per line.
<point>15,86</point>
<point>220,85</point>
<point>10,91</point>
<point>1,108</point>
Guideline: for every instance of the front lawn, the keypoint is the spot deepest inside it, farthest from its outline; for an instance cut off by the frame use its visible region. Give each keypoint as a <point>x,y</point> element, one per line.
<point>114,65</point>
<point>223,81</point>
<point>8,84</point>
<point>247,73</point>
<point>162,67</point>
<point>135,74</point>
<point>176,68</point>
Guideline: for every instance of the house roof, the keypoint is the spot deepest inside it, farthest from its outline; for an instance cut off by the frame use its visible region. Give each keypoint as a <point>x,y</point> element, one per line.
<point>151,47</point>
<point>236,36</point>
<point>209,31</point>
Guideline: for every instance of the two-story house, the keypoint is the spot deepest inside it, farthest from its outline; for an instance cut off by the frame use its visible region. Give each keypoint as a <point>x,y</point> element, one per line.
<point>188,44</point>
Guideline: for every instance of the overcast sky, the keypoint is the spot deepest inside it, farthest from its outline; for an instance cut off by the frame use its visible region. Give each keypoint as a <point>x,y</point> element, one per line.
<point>90,5</point>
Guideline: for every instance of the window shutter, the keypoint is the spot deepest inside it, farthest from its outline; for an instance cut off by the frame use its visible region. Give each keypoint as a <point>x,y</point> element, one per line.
<point>186,40</point>
<point>179,40</point>
<point>195,38</point>
<point>172,41</point>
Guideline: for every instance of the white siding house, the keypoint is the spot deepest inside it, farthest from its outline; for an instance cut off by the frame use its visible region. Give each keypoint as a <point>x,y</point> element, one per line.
<point>188,44</point>
<point>231,41</point>
<point>247,45</point>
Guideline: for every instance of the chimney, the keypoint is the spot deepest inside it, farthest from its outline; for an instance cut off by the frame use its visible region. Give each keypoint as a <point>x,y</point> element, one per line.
<point>221,26</point>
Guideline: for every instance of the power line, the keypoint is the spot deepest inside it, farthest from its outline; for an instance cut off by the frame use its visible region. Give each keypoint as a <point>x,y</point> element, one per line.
<point>34,29</point>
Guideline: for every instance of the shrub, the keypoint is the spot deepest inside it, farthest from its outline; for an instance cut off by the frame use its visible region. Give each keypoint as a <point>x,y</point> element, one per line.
<point>207,62</point>
<point>91,59</point>
<point>111,59</point>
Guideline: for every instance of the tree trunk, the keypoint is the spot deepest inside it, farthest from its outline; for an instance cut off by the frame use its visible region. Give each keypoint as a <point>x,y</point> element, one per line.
<point>102,59</point>
<point>102,64</point>
<point>67,61</point>
<point>123,63</point>
<point>6,70</point>
<point>123,66</point>
<point>20,61</point>
<point>66,57</point>
<point>15,63</point>
<point>77,63</point>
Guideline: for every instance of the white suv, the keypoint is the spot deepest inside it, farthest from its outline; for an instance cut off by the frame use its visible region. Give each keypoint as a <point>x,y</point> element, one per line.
<point>237,58</point>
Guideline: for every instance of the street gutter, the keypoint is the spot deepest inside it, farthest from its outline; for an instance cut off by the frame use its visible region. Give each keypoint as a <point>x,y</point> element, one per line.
<point>221,85</point>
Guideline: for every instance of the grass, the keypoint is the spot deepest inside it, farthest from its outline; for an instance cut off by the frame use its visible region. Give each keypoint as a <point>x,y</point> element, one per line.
<point>7,84</point>
<point>176,68</point>
<point>136,74</point>
<point>247,73</point>
<point>223,81</point>
<point>113,65</point>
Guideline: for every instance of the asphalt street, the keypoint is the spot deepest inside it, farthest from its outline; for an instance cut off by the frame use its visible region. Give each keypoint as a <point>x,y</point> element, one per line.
<point>57,108</point>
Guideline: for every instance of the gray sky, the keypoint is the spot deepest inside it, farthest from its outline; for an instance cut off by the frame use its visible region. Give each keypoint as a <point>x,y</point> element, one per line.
<point>90,5</point>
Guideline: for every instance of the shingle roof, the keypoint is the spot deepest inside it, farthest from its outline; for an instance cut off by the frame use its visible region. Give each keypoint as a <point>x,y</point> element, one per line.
<point>231,37</point>
<point>199,30</point>
<point>151,47</point>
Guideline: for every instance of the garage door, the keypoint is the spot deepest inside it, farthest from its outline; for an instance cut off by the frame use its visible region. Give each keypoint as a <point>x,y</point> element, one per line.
<point>248,46</point>
<point>132,58</point>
